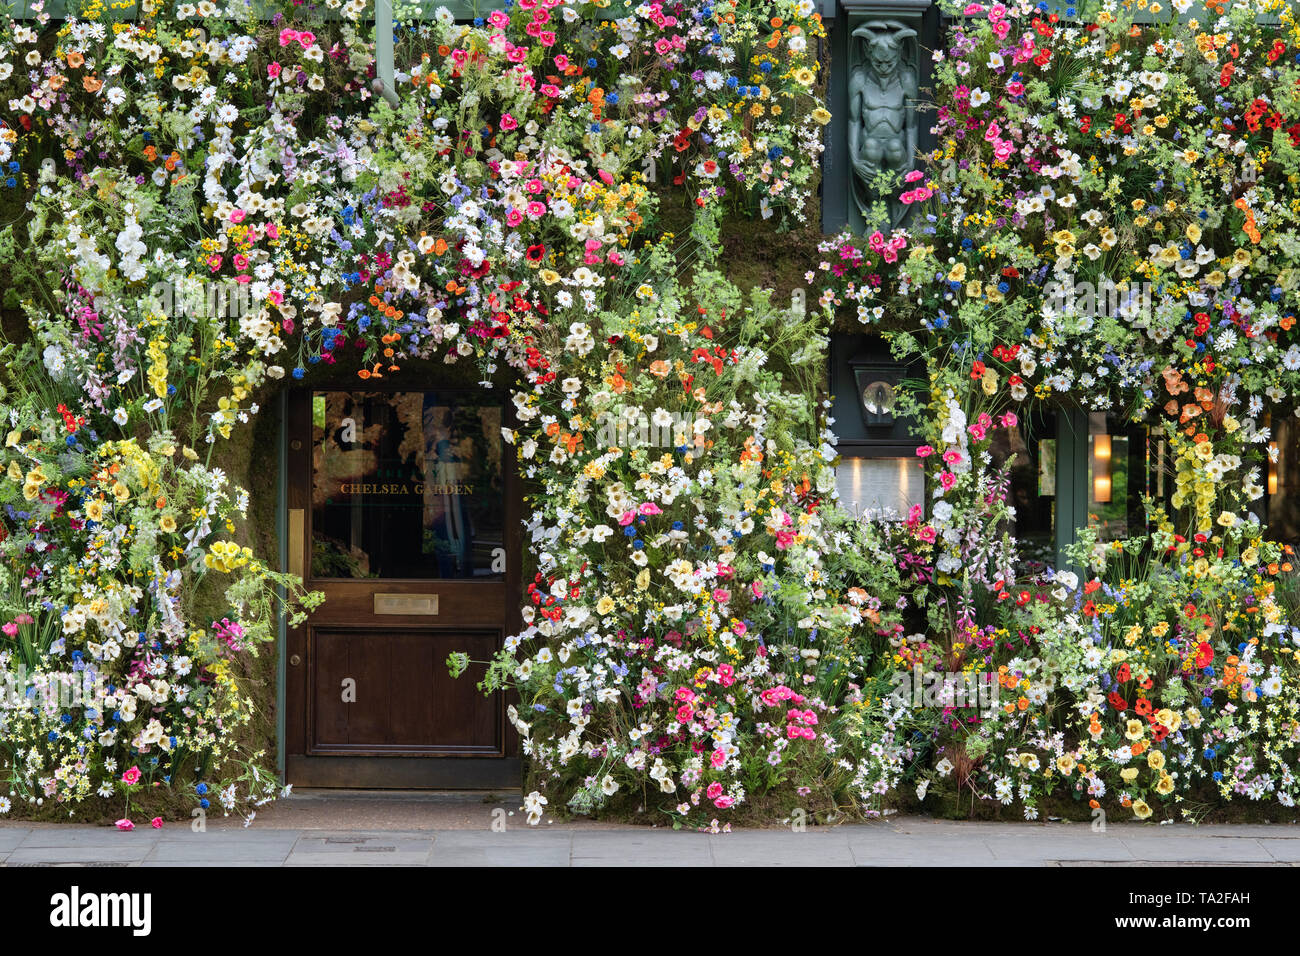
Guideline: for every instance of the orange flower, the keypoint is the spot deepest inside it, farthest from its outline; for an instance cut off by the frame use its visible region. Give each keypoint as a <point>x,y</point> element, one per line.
<point>92,83</point>
<point>75,59</point>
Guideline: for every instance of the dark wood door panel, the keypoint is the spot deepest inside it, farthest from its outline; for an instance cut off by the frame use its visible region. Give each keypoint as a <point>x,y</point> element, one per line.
<point>387,691</point>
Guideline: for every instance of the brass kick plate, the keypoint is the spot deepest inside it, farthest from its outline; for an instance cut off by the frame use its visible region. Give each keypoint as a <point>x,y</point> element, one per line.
<point>406,604</point>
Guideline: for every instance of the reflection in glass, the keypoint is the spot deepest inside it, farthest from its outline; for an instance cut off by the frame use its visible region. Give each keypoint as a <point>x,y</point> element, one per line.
<point>406,485</point>
<point>881,488</point>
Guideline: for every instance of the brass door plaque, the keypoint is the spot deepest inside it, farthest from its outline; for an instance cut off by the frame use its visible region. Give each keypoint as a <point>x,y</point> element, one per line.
<point>406,604</point>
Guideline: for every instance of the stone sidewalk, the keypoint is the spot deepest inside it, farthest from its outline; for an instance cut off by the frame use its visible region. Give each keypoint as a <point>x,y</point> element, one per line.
<point>456,830</point>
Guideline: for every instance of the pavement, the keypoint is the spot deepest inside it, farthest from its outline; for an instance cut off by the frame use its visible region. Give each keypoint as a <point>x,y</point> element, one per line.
<point>334,828</point>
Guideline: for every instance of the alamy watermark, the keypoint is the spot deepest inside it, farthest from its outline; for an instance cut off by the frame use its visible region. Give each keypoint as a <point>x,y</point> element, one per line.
<point>924,688</point>
<point>1103,298</point>
<point>51,692</point>
<point>203,299</point>
<point>663,429</point>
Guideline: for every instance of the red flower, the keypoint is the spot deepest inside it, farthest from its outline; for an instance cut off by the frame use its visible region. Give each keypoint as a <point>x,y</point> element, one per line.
<point>1159,732</point>
<point>1143,706</point>
<point>1204,655</point>
<point>1117,702</point>
<point>1123,675</point>
<point>535,253</point>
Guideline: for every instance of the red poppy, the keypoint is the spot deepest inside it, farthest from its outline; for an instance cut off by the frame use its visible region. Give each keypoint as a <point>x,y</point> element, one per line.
<point>1147,684</point>
<point>535,253</point>
<point>1117,702</point>
<point>1204,655</point>
<point>1159,732</point>
<point>1143,706</point>
<point>1124,674</point>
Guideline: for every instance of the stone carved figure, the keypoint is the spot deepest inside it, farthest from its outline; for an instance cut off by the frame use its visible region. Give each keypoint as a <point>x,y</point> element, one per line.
<point>882,122</point>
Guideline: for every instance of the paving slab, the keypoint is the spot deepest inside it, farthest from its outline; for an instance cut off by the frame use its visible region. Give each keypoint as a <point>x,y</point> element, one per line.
<point>344,848</point>
<point>226,849</point>
<point>1197,849</point>
<point>781,848</point>
<point>656,848</point>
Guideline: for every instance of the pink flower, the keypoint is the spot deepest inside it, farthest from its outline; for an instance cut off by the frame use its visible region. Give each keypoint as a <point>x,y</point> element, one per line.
<point>272,70</point>
<point>626,518</point>
<point>1009,420</point>
<point>721,595</point>
<point>724,803</point>
<point>927,534</point>
<point>272,232</point>
<point>714,791</point>
<point>913,176</point>
<point>287,36</point>
<point>726,675</point>
<point>976,431</point>
<point>952,456</point>
<point>156,823</point>
<point>131,777</point>
<point>124,824</point>
<point>561,62</point>
<point>685,694</point>
<point>718,758</point>
<point>685,713</point>
<point>756,587</point>
<point>306,38</point>
<point>240,261</point>
<point>10,629</point>
<point>925,451</point>
<point>947,479</point>
<point>508,122</point>
<point>650,508</point>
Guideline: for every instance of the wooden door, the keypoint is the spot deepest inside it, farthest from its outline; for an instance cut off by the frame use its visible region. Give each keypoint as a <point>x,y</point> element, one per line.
<point>403,509</point>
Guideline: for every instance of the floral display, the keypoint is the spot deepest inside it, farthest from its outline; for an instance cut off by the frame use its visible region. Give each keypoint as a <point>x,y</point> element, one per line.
<point>1106,222</point>
<point>209,205</point>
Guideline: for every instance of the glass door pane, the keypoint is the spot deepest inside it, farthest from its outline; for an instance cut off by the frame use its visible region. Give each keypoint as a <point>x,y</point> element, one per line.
<point>407,485</point>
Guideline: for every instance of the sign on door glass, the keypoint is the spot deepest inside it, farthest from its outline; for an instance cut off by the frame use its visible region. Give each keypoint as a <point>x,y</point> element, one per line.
<point>407,485</point>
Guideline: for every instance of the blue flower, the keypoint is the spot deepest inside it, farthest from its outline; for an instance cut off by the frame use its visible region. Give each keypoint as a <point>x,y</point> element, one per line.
<point>299,372</point>
<point>201,789</point>
<point>1209,753</point>
<point>53,735</point>
<point>591,62</point>
<point>204,803</point>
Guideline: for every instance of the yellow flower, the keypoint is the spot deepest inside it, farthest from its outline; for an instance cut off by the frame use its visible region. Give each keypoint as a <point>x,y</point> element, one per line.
<point>605,605</point>
<point>120,491</point>
<point>1133,730</point>
<point>1170,718</point>
<point>1156,760</point>
<point>821,116</point>
<point>1166,785</point>
<point>1128,774</point>
<point>1141,810</point>
<point>14,438</point>
<point>167,523</point>
<point>95,510</point>
<point>1065,764</point>
<point>643,579</point>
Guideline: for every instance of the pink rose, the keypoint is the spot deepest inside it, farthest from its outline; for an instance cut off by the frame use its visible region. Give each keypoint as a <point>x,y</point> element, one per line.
<point>124,824</point>
<point>156,823</point>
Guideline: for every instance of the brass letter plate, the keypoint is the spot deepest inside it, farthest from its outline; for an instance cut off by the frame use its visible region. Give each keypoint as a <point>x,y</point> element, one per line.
<point>406,604</point>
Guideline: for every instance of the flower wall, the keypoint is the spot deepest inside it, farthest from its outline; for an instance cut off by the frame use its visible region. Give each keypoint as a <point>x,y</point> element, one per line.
<point>708,635</point>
